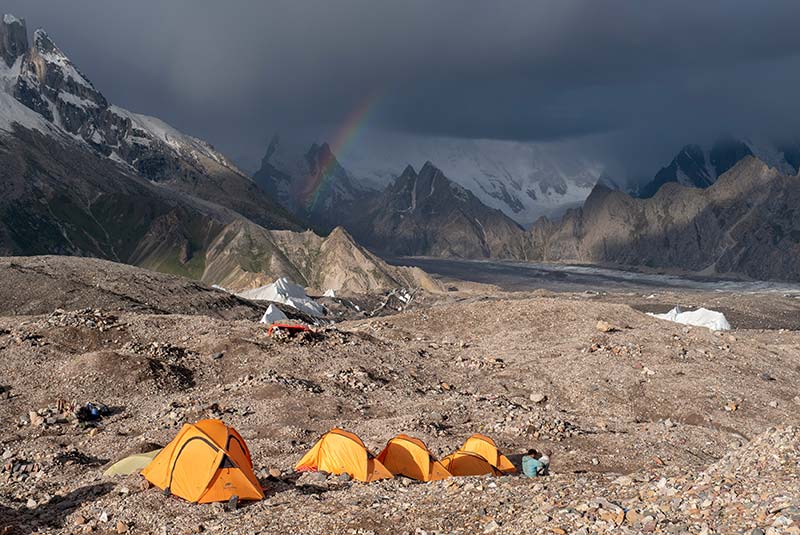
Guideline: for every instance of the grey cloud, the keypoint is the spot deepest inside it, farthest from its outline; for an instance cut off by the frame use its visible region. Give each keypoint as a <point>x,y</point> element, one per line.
<point>636,78</point>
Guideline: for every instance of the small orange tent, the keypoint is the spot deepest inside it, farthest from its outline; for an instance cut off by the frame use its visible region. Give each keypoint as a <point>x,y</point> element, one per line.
<point>466,463</point>
<point>339,452</point>
<point>408,456</point>
<point>486,448</point>
<point>206,462</point>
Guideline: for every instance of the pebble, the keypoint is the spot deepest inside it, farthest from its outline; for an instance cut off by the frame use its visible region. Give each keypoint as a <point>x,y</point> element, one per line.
<point>537,397</point>
<point>122,527</point>
<point>605,327</point>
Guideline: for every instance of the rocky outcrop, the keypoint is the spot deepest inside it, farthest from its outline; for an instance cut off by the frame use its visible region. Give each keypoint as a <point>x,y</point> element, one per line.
<point>745,223</point>
<point>13,39</point>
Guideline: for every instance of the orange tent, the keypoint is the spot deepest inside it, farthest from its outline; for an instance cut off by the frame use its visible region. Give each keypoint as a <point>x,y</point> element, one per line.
<point>486,448</point>
<point>206,462</point>
<point>465,463</point>
<point>408,456</point>
<point>339,452</point>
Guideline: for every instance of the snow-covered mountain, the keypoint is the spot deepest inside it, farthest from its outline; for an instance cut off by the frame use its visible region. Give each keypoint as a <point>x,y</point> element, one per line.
<point>524,180</point>
<point>46,81</point>
<point>699,167</point>
<point>41,89</point>
<point>82,177</point>
<point>427,214</point>
<point>309,182</point>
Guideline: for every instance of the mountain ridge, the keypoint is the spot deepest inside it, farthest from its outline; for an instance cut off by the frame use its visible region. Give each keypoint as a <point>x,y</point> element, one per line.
<point>83,177</point>
<point>698,166</point>
<point>744,223</point>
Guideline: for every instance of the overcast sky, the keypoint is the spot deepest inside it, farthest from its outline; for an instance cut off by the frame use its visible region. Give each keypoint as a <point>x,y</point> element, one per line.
<point>636,77</point>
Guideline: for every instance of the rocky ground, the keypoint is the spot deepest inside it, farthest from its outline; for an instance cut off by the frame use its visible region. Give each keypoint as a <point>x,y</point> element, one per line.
<point>655,427</point>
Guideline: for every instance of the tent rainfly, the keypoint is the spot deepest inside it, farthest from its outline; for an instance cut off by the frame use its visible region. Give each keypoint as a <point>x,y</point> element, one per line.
<point>466,463</point>
<point>338,452</point>
<point>206,462</point>
<point>408,456</point>
<point>486,448</point>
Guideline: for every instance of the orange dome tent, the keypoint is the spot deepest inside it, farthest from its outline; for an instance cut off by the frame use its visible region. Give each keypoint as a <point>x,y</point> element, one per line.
<point>486,448</point>
<point>408,456</point>
<point>339,452</point>
<point>206,462</point>
<point>466,463</point>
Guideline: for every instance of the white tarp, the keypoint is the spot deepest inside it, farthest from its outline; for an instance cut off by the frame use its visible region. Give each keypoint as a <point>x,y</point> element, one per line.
<point>272,315</point>
<point>286,292</point>
<point>702,317</point>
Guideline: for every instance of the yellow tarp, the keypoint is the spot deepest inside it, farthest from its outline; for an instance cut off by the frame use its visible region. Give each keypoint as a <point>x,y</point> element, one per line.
<point>131,464</point>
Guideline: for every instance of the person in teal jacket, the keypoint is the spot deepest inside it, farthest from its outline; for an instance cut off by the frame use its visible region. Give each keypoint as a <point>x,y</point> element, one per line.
<point>535,464</point>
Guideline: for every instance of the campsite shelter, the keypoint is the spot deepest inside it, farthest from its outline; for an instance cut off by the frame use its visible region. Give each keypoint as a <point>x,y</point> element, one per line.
<point>339,452</point>
<point>408,456</point>
<point>486,448</point>
<point>466,463</point>
<point>206,462</point>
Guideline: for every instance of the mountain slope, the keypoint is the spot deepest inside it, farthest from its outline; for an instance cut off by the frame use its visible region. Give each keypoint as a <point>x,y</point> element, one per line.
<point>699,167</point>
<point>80,177</point>
<point>747,222</point>
<point>524,180</point>
<point>425,213</point>
<point>44,79</point>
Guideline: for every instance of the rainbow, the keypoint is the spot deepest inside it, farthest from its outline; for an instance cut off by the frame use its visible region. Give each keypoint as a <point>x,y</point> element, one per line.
<point>315,183</point>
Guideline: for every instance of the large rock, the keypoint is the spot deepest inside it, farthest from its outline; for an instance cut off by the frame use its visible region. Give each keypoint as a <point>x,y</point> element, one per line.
<point>13,39</point>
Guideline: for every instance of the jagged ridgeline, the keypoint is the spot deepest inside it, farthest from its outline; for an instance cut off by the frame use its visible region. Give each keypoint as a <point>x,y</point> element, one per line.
<point>421,213</point>
<point>83,177</point>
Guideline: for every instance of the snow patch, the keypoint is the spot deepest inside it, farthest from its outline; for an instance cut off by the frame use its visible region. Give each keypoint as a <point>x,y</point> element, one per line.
<point>13,112</point>
<point>76,101</point>
<point>183,144</point>
<point>272,315</point>
<point>702,317</point>
<point>499,173</point>
<point>329,293</point>
<point>286,292</point>
<point>11,19</point>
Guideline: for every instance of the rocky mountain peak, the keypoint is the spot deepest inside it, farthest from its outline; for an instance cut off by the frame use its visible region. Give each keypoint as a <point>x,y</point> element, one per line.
<point>429,168</point>
<point>320,156</point>
<point>44,44</point>
<point>13,39</point>
<point>597,197</point>
<point>409,171</point>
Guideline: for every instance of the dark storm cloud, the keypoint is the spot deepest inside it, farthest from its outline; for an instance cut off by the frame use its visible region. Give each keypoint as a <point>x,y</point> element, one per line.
<point>642,76</point>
